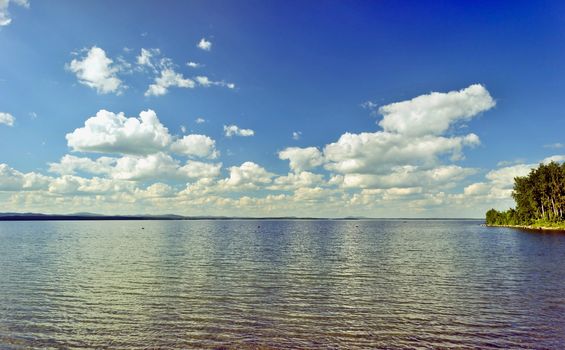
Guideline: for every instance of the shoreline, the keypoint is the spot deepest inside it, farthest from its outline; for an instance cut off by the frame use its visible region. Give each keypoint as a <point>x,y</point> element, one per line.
<point>531,227</point>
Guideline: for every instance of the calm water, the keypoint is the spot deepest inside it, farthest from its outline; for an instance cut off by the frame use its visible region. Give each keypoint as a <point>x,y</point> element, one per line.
<point>283,285</point>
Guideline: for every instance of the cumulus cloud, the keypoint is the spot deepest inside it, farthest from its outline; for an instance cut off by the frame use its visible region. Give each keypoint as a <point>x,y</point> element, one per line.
<point>168,78</point>
<point>478,188</point>
<point>76,185</point>
<point>380,151</point>
<point>70,165</point>
<point>7,119</point>
<point>156,190</point>
<point>162,166</point>
<point>409,176</point>
<point>200,120</point>
<point>195,145</point>
<point>294,181</point>
<point>5,18</point>
<point>361,170</point>
<point>410,150</point>
<point>14,180</point>
<point>432,114</point>
<point>196,169</point>
<point>204,44</point>
<point>247,176</point>
<point>504,177</point>
<point>152,166</point>
<point>136,168</point>
<point>301,159</point>
<point>296,135</point>
<point>231,130</point>
<point>97,71</point>
<point>109,132</point>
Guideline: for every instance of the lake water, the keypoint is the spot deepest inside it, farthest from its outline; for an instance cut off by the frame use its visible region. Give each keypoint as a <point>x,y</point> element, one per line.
<point>279,285</point>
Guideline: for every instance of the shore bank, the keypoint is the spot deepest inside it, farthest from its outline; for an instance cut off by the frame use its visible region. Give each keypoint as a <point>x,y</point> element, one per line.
<point>531,227</point>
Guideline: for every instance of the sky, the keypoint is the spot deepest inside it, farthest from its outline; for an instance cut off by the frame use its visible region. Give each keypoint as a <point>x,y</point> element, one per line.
<point>277,108</point>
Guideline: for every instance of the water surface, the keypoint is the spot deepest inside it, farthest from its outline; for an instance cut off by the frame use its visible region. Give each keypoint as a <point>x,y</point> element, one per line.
<point>279,285</point>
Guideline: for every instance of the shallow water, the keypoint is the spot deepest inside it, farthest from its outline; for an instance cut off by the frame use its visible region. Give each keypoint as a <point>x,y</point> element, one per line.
<point>279,285</point>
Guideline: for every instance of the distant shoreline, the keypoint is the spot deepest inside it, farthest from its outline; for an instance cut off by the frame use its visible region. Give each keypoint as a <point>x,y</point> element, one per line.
<point>96,217</point>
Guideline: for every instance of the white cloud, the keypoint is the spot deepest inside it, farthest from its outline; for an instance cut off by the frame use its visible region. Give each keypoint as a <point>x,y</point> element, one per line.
<point>380,151</point>
<point>7,119</point>
<point>296,135</point>
<point>153,166</point>
<point>432,114</point>
<point>183,129</point>
<point>200,120</point>
<point>76,185</point>
<point>301,159</point>
<point>146,56</point>
<point>136,168</point>
<point>192,64</point>
<point>479,188</point>
<point>206,82</point>
<point>195,145</point>
<point>409,176</point>
<point>313,195</point>
<point>504,177</point>
<point>156,190</point>
<point>195,169</point>
<point>371,173</point>
<point>231,130</point>
<point>13,180</point>
<point>97,71</point>
<point>162,166</point>
<point>69,165</point>
<point>204,44</point>
<point>169,78</point>
<point>246,176</point>
<point>399,157</point>
<point>297,180</point>
<point>108,132</point>
<point>5,18</point>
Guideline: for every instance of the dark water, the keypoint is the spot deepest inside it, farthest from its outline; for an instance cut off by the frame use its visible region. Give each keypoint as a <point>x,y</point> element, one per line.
<point>285,284</point>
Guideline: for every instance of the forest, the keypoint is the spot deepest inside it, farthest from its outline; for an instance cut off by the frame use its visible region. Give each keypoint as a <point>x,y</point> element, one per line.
<point>539,197</point>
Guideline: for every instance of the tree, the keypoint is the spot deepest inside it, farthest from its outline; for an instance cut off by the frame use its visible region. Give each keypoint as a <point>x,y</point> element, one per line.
<point>539,196</point>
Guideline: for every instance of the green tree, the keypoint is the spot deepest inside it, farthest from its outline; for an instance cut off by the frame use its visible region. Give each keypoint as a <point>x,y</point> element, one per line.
<point>539,196</point>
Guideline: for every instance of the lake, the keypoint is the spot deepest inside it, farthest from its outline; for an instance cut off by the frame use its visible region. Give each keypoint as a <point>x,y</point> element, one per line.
<point>288,284</point>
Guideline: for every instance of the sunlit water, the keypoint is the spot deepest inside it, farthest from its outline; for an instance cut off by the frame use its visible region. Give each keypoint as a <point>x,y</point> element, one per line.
<point>279,285</point>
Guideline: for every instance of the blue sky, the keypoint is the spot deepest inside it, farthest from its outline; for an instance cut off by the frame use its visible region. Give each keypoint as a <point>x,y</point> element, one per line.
<point>326,71</point>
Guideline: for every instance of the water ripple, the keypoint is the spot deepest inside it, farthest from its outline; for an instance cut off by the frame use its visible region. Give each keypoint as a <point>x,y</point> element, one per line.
<point>283,285</point>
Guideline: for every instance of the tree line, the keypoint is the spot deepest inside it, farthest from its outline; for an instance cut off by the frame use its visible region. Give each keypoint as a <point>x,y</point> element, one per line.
<point>539,196</point>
